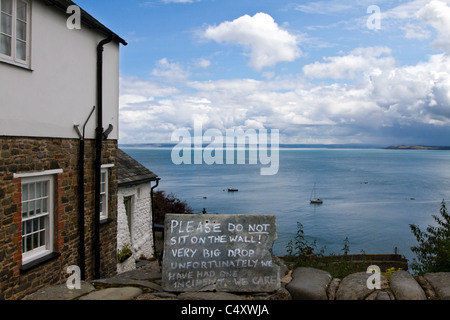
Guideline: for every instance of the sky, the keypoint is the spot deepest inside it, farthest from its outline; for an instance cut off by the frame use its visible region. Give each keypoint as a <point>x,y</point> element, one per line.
<point>321,72</point>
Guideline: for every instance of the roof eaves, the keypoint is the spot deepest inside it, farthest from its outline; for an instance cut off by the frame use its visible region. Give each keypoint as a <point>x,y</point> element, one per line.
<point>86,18</point>
<point>132,183</point>
<point>130,171</point>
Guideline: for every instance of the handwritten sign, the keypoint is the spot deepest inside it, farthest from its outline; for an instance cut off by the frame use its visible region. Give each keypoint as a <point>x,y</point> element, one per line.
<point>231,253</point>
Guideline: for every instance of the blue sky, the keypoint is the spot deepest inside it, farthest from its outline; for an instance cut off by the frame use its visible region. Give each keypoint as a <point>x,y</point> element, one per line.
<point>318,71</point>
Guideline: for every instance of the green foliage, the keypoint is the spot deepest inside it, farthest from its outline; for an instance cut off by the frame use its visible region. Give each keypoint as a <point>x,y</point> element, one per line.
<point>302,254</point>
<point>433,251</point>
<point>390,271</point>
<point>300,247</point>
<point>346,249</point>
<point>163,204</point>
<point>124,253</point>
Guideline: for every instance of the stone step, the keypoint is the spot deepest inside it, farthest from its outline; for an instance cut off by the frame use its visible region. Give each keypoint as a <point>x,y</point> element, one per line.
<point>122,293</point>
<point>61,292</point>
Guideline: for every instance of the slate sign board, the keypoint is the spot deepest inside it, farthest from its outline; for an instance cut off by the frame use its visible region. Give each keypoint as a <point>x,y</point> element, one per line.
<point>228,253</point>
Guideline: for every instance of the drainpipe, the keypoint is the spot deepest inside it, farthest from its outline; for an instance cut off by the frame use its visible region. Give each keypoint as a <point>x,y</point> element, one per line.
<point>153,217</point>
<point>81,221</point>
<point>98,156</point>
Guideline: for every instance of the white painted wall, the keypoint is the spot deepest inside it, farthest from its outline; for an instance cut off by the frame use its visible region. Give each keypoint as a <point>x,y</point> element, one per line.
<point>141,238</point>
<point>60,89</point>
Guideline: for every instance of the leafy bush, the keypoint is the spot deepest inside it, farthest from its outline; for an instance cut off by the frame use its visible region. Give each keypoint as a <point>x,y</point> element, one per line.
<point>300,247</point>
<point>433,251</point>
<point>301,253</point>
<point>163,204</point>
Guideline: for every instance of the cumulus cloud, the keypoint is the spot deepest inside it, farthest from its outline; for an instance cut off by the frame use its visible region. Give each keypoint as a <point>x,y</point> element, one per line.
<point>387,102</point>
<point>202,63</point>
<point>349,66</point>
<point>171,71</point>
<point>145,88</point>
<point>437,13</point>
<point>267,43</point>
<point>369,97</point>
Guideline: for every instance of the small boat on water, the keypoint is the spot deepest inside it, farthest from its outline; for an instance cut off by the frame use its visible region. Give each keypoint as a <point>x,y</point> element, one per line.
<point>313,199</point>
<point>316,201</point>
<point>232,190</point>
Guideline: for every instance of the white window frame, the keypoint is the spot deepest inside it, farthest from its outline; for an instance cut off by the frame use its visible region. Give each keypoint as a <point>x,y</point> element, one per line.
<point>13,59</point>
<point>48,216</point>
<point>104,183</point>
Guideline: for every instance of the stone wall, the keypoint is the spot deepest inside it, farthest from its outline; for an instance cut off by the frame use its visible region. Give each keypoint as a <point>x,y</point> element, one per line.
<point>306,283</point>
<point>31,155</point>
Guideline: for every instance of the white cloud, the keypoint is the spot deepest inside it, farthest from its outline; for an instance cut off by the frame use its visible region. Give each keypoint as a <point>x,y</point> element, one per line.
<point>411,15</point>
<point>383,100</point>
<point>437,13</point>
<point>413,31</point>
<point>203,63</point>
<point>350,66</point>
<point>171,71</point>
<point>130,86</point>
<point>266,41</point>
<point>407,10</point>
<point>324,7</point>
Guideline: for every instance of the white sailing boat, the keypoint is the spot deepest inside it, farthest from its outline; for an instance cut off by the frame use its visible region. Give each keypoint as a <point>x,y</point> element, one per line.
<point>313,198</point>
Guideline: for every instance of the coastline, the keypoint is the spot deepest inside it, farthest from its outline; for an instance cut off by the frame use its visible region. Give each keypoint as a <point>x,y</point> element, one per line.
<point>302,146</point>
<point>417,147</point>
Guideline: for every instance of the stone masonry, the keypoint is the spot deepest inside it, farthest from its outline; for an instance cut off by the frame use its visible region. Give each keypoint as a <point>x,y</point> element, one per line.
<point>314,284</point>
<point>299,284</point>
<point>31,155</point>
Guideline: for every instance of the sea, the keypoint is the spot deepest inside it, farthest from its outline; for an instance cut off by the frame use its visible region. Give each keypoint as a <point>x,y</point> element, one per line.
<point>370,196</point>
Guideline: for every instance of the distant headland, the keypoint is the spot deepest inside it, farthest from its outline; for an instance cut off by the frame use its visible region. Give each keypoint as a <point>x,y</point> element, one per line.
<point>281,146</point>
<point>418,147</point>
<point>304,146</point>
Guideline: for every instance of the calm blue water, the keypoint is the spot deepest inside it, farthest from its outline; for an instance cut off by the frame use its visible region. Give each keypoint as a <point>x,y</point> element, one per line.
<point>367,193</point>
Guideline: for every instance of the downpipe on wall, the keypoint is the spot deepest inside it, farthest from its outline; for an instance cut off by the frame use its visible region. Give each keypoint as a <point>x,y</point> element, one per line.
<point>81,223</point>
<point>98,154</point>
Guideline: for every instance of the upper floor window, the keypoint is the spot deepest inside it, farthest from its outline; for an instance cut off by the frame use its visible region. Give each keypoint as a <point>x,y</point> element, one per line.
<point>15,31</point>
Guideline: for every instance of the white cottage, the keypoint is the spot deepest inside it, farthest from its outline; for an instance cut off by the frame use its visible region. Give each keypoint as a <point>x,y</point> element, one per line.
<point>134,220</point>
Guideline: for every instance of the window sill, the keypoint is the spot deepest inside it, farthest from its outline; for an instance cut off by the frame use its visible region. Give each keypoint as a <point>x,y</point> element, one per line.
<point>38,262</point>
<point>105,221</point>
<point>16,65</point>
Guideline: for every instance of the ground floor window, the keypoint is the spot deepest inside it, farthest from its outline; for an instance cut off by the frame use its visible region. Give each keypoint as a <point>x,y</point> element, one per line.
<point>37,217</point>
<point>104,194</point>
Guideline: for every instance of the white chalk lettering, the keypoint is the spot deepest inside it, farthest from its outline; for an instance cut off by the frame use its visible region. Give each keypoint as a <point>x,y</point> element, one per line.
<point>259,228</point>
<point>211,253</point>
<point>240,253</point>
<point>183,252</point>
<point>219,252</point>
